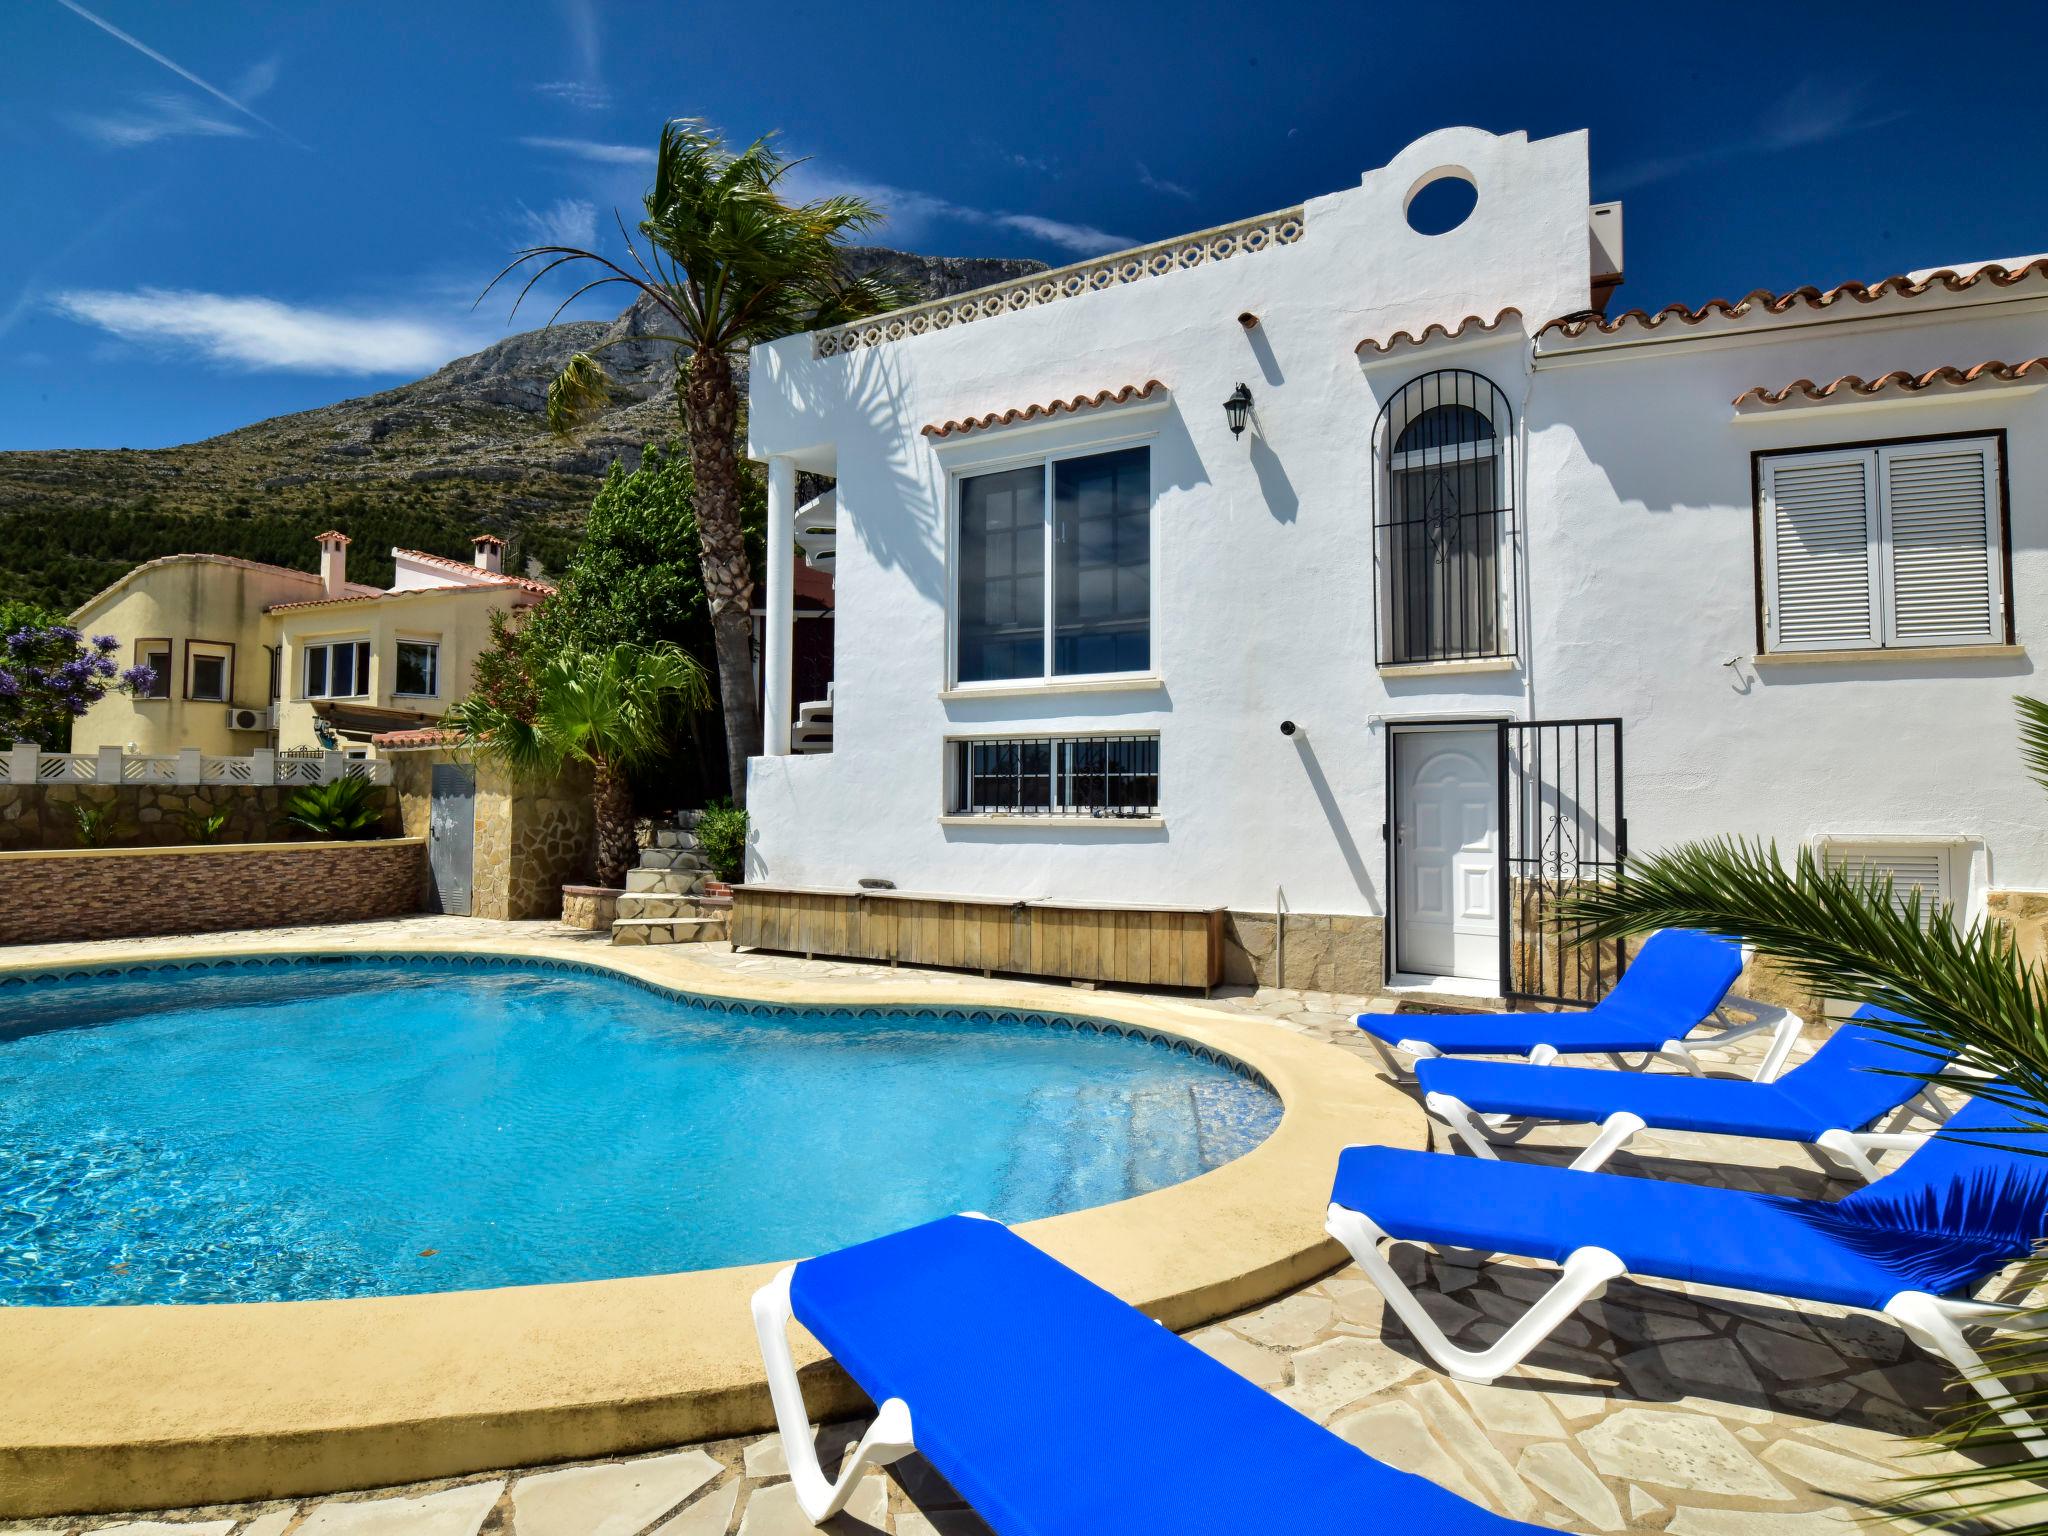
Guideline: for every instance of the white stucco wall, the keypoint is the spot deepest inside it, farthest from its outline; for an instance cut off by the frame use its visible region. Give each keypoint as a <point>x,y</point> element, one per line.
<point>1638,565</point>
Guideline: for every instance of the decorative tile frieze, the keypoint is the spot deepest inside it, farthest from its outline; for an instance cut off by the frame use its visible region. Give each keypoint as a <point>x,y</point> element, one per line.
<point>1180,254</point>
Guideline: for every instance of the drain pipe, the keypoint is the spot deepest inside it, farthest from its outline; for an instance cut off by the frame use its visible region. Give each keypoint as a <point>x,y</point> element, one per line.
<point>1279,938</point>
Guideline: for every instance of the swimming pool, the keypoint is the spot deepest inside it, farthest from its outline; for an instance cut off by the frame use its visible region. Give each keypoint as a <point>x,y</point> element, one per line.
<point>339,1126</point>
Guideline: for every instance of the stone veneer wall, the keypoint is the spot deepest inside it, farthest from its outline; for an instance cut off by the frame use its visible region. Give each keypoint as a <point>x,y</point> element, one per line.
<point>1324,952</point>
<point>43,816</point>
<point>118,893</point>
<point>531,839</point>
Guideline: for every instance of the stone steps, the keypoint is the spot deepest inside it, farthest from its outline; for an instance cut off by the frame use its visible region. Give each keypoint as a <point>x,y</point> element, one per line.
<point>673,858</point>
<point>667,904</point>
<point>669,930</point>
<point>664,900</point>
<point>665,882</point>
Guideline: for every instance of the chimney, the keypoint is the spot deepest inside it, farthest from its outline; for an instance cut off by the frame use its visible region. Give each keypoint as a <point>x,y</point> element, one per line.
<point>333,563</point>
<point>490,552</point>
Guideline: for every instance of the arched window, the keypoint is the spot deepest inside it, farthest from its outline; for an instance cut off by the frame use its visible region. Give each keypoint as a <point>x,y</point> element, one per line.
<point>1443,525</point>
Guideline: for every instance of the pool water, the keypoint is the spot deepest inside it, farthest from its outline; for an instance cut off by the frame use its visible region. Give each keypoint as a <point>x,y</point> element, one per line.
<point>390,1126</point>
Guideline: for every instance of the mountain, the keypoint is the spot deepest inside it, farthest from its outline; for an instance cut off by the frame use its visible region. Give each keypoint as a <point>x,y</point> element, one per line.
<point>426,465</point>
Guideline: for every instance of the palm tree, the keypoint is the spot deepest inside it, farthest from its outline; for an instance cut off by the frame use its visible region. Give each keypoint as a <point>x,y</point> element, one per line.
<point>730,262</point>
<point>1974,996</point>
<point>610,710</point>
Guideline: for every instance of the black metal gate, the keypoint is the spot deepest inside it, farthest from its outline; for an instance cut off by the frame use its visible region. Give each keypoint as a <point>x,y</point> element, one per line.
<point>1562,823</point>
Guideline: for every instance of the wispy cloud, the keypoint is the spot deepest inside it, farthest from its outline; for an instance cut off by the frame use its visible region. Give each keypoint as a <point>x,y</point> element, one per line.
<point>177,69</point>
<point>263,335</point>
<point>1812,112</point>
<point>592,150</point>
<point>1153,183</point>
<point>565,221</point>
<point>586,87</point>
<point>910,211</point>
<point>157,117</point>
<point>575,93</point>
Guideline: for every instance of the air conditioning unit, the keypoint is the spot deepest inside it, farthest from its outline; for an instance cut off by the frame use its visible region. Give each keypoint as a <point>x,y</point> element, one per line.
<point>240,719</point>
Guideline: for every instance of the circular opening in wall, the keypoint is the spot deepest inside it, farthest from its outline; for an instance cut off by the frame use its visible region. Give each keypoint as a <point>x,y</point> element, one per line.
<point>1441,201</point>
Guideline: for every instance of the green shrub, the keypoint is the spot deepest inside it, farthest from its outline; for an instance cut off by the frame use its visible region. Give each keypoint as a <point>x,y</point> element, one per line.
<point>205,826</point>
<point>97,827</point>
<point>722,836</point>
<point>346,808</point>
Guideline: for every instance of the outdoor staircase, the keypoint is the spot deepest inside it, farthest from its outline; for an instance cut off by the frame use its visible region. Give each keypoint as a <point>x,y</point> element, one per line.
<point>665,900</point>
<point>813,729</point>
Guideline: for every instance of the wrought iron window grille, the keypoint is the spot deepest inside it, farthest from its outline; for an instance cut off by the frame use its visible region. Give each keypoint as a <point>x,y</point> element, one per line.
<point>1444,537</point>
<point>1098,777</point>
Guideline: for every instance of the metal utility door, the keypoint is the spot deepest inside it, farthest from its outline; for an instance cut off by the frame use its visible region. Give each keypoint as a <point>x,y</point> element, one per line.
<point>1446,843</point>
<point>1563,824</point>
<point>451,836</point>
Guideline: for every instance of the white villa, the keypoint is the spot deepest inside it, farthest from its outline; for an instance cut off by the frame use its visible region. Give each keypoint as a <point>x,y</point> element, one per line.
<point>1490,586</point>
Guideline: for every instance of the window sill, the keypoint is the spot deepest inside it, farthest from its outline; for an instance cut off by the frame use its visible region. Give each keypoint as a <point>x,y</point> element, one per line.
<point>1898,653</point>
<point>1449,668</point>
<point>1074,823</point>
<point>1052,687</point>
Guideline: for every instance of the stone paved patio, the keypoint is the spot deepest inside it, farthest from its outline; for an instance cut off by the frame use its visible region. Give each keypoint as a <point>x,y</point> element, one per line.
<point>1660,1408</point>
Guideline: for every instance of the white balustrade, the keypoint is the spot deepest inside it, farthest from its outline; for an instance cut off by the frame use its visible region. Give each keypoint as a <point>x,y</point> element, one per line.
<point>26,763</point>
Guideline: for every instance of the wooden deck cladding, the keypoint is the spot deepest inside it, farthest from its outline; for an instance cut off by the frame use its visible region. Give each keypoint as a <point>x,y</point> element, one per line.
<point>1146,946</point>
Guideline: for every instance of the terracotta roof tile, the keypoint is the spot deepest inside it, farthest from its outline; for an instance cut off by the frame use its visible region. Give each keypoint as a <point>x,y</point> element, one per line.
<point>467,568</point>
<point>376,596</point>
<point>1434,330</point>
<point>1101,397</point>
<point>1901,285</point>
<point>1898,381</point>
<point>424,736</point>
<point>494,578</point>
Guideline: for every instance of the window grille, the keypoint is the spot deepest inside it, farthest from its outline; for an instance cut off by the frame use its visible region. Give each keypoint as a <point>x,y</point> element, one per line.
<point>1444,520</point>
<point>1110,777</point>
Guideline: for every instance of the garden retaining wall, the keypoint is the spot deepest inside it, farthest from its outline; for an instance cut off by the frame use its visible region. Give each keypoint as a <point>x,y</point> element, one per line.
<point>44,816</point>
<point>114,893</point>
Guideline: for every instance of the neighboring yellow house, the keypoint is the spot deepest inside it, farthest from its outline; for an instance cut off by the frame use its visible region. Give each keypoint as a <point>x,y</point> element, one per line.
<point>251,655</point>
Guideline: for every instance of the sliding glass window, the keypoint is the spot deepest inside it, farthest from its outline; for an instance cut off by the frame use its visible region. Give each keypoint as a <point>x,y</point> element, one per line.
<point>1088,521</point>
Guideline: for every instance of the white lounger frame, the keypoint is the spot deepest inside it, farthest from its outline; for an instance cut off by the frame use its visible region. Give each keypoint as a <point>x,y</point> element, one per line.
<point>1935,1323</point>
<point>1856,1150</point>
<point>1783,1024</point>
<point>887,1440</point>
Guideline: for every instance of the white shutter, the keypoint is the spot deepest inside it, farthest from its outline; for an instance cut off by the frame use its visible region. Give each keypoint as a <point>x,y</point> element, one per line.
<point>1942,561</point>
<point>1820,531</point>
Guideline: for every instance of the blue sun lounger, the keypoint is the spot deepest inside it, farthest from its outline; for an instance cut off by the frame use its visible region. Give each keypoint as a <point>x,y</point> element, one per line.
<point>1911,1246</point>
<point>1844,1103</point>
<point>1056,1410</point>
<point>1677,982</point>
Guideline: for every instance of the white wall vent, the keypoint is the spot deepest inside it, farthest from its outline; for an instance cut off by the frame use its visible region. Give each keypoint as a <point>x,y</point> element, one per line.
<point>1937,870</point>
<point>240,719</point>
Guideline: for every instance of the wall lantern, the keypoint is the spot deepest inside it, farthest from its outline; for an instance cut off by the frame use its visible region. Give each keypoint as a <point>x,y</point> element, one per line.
<point>1237,407</point>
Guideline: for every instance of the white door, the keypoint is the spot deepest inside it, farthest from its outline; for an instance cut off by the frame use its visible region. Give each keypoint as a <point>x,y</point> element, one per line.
<point>1446,883</point>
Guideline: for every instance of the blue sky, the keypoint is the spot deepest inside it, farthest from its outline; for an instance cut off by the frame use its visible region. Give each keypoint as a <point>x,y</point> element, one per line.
<point>215,212</point>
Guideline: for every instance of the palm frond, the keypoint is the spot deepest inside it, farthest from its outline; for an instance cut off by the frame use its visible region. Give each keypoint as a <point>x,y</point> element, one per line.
<point>1973,999</point>
<point>2034,737</point>
<point>577,393</point>
<point>1846,936</point>
<point>618,707</point>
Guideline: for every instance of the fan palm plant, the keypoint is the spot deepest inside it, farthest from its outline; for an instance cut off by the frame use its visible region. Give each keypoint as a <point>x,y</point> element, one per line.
<point>1974,997</point>
<point>609,710</point>
<point>729,261</point>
